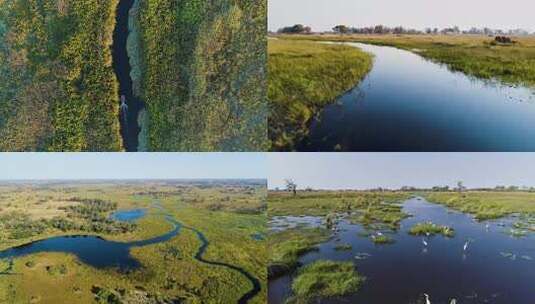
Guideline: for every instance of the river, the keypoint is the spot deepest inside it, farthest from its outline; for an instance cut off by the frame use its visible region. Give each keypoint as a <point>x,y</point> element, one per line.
<point>129,124</point>
<point>408,103</point>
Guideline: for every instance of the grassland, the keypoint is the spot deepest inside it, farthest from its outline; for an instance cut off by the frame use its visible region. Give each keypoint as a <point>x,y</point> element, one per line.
<point>486,204</point>
<point>170,270</point>
<point>479,56</point>
<point>58,91</point>
<point>200,69</point>
<point>303,78</point>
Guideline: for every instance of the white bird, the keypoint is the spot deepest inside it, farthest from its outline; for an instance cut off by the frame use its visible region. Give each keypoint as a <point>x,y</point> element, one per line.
<point>379,233</point>
<point>427,299</point>
<point>424,242</point>
<point>466,245</point>
<point>453,301</point>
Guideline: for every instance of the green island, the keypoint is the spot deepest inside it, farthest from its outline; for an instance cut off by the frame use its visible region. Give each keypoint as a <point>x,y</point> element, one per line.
<point>303,77</point>
<point>202,242</point>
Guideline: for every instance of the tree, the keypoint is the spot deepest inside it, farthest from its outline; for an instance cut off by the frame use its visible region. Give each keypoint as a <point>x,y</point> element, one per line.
<point>295,29</point>
<point>291,186</point>
<point>460,186</point>
<point>342,29</point>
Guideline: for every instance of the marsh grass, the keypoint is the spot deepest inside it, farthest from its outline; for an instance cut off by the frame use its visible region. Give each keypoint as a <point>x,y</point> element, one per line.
<point>488,204</point>
<point>343,247</point>
<point>287,246</point>
<point>324,279</point>
<point>473,55</point>
<point>304,77</point>
<point>382,239</point>
<point>431,229</point>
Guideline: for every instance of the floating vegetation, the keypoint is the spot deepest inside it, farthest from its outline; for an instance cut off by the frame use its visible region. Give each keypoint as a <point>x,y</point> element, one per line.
<point>343,247</point>
<point>517,233</point>
<point>381,239</point>
<point>430,229</point>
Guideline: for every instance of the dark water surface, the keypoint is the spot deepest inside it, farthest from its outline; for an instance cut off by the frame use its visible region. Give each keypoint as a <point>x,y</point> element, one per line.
<point>92,250</point>
<point>407,103</point>
<point>496,268</point>
<point>121,65</point>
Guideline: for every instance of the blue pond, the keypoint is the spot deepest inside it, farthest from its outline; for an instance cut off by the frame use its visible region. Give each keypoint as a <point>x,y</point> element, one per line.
<point>92,250</point>
<point>128,215</point>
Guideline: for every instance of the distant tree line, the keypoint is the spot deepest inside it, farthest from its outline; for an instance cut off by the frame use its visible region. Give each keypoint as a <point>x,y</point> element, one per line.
<point>400,30</point>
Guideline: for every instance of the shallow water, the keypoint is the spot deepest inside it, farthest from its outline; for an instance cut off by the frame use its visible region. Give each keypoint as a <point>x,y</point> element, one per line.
<point>403,271</point>
<point>407,103</point>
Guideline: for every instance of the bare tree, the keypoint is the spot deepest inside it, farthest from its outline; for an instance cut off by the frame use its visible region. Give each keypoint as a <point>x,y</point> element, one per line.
<point>291,186</point>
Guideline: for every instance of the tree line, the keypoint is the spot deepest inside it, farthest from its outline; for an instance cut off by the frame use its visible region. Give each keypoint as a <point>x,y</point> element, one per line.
<point>399,30</point>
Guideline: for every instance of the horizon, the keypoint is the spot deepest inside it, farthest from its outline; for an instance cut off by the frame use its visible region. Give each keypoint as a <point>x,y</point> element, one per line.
<point>124,166</point>
<point>364,171</point>
<point>415,14</point>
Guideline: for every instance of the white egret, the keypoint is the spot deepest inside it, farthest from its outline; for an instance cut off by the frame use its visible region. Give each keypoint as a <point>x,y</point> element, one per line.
<point>424,242</point>
<point>427,299</point>
<point>465,247</point>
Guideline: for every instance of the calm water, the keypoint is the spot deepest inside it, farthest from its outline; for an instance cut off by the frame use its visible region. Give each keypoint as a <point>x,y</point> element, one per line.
<point>128,215</point>
<point>122,68</point>
<point>401,272</point>
<point>92,250</point>
<point>407,103</point>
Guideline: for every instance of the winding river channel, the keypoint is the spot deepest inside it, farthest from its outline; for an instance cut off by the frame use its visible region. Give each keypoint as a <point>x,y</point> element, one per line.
<point>121,65</point>
<point>408,103</point>
<point>101,253</point>
<point>496,268</point>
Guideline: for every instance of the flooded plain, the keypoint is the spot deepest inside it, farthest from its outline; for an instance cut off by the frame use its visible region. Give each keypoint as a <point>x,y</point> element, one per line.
<point>496,267</point>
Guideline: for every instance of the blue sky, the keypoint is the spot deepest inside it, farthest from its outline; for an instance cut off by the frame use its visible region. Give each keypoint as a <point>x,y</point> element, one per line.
<point>131,165</point>
<point>324,14</point>
<point>394,170</point>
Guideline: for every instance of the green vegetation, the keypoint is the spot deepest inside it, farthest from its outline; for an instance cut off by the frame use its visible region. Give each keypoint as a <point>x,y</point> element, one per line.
<point>303,78</point>
<point>324,279</point>
<point>287,246</point>
<point>170,271</point>
<point>479,56</point>
<point>58,91</point>
<point>343,247</point>
<point>382,239</point>
<point>200,71</point>
<point>431,229</point>
<point>486,204</point>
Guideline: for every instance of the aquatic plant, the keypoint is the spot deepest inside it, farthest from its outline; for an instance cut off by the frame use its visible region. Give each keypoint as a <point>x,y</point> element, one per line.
<point>323,279</point>
<point>430,229</point>
<point>382,239</point>
<point>287,246</point>
<point>343,247</point>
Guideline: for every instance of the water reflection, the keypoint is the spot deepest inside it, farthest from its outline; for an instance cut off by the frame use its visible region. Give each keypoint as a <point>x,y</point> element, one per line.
<point>407,103</point>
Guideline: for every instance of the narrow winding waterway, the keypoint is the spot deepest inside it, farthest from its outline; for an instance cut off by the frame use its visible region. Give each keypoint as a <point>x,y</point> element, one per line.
<point>408,103</point>
<point>121,65</point>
